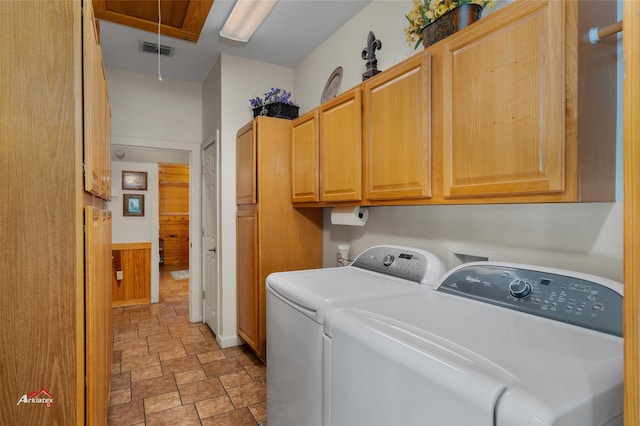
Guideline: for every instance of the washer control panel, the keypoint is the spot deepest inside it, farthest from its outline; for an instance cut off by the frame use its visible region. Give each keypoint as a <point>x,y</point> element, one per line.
<point>574,300</point>
<point>401,262</point>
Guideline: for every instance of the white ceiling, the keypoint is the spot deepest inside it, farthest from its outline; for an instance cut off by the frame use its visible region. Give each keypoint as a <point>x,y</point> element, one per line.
<point>292,30</point>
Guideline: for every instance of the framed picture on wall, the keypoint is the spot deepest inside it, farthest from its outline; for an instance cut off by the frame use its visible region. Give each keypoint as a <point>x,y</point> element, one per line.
<point>132,205</point>
<point>134,180</point>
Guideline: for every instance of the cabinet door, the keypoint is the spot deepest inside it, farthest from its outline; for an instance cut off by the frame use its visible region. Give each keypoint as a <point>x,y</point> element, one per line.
<point>97,313</point>
<point>503,105</point>
<point>246,164</point>
<point>97,116</point>
<point>397,138</point>
<point>305,159</point>
<point>248,303</point>
<point>341,148</point>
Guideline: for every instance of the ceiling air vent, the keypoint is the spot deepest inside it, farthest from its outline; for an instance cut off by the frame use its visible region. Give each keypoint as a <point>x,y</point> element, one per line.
<point>147,46</point>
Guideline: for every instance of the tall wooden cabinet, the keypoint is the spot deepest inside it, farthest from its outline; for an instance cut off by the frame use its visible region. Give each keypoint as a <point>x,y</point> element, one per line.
<point>55,233</point>
<point>271,235</point>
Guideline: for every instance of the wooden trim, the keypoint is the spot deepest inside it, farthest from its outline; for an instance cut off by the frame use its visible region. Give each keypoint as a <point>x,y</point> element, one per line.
<point>130,246</point>
<point>131,302</point>
<point>631,46</point>
<point>192,25</point>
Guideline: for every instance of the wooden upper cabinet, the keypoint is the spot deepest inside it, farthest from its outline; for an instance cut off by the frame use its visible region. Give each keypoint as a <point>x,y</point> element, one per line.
<point>97,115</point>
<point>305,159</point>
<point>341,148</point>
<point>528,106</point>
<point>503,105</point>
<point>397,137</point>
<point>246,165</point>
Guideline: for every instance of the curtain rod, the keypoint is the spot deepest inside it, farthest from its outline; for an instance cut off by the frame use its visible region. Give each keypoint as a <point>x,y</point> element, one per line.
<point>596,33</point>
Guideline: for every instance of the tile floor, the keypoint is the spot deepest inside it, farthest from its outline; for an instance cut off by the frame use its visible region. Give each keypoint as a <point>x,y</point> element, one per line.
<point>167,371</point>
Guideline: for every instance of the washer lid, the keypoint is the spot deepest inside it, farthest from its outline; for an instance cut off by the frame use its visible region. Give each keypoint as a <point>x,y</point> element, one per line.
<point>384,372</point>
<point>560,371</point>
<point>313,292</point>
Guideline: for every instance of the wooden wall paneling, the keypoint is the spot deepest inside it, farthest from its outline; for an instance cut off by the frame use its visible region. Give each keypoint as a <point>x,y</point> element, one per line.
<point>174,212</point>
<point>134,260</point>
<point>175,232</point>
<point>174,199</point>
<point>117,287</point>
<point>169,173</point>
<point>631,47</point>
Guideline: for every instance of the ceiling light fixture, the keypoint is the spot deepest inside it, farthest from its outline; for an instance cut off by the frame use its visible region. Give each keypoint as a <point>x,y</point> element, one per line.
<point>245,18</point>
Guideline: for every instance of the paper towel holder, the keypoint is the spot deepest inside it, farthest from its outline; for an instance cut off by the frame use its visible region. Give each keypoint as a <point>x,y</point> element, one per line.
<point>349,215</point>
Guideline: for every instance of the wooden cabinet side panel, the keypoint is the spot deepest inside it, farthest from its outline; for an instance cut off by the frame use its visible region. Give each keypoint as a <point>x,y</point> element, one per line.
<point>288,238</point>
<point>246,165</point>
<point>515,145</point>
<point>41,302</point>
<point>341,148</point>
<point>305,159</point>
<point>247,276</point>
<point>397,139</point>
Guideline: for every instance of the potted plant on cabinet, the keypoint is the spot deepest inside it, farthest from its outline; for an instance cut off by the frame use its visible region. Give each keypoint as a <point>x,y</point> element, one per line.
<point>433,20</point>
<point>276,103</point>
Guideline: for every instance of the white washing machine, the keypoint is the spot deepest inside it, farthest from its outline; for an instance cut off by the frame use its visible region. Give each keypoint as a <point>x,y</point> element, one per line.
<point>492,344</point>
<point>297,302</point>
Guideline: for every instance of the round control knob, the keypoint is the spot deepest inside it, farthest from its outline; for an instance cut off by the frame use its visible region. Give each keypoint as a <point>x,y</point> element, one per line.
<point>519,288</point>
<point>388,260</point>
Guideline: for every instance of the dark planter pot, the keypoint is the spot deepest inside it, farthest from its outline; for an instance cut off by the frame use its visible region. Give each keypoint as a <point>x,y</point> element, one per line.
<point>277,110</point>
<point>452,21</point>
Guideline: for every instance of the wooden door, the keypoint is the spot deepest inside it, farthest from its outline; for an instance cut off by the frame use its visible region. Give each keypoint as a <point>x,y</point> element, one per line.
<point>397,137</point>
<point>504,106</point>
<point>305,159</point>
<point>247,276</point>
<point>341,148</point>
<point>246,164</point>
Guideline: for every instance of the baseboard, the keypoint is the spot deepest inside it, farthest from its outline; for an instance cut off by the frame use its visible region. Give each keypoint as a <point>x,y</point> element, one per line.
<point>228,342</point>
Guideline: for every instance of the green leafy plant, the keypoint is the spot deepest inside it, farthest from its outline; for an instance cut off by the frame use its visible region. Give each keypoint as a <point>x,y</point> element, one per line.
<point>425,12</point>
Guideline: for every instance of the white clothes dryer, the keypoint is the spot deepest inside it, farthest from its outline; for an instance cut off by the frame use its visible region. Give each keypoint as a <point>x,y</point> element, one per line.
<point>494,344</point>
<point>297,302</point>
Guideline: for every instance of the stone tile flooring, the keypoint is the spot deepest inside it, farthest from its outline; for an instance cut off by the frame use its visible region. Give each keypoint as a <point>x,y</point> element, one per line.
<point>167,371</point>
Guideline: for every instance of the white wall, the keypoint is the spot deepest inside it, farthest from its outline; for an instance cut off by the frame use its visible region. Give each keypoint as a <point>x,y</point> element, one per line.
<point>386,18</point>
<point>584,237</point>
<point>226,93</point>
<point>167,114</point>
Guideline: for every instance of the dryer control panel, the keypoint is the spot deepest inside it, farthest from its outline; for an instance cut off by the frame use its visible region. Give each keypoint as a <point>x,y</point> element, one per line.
<point>402,262</point>
<point>582,300</point>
